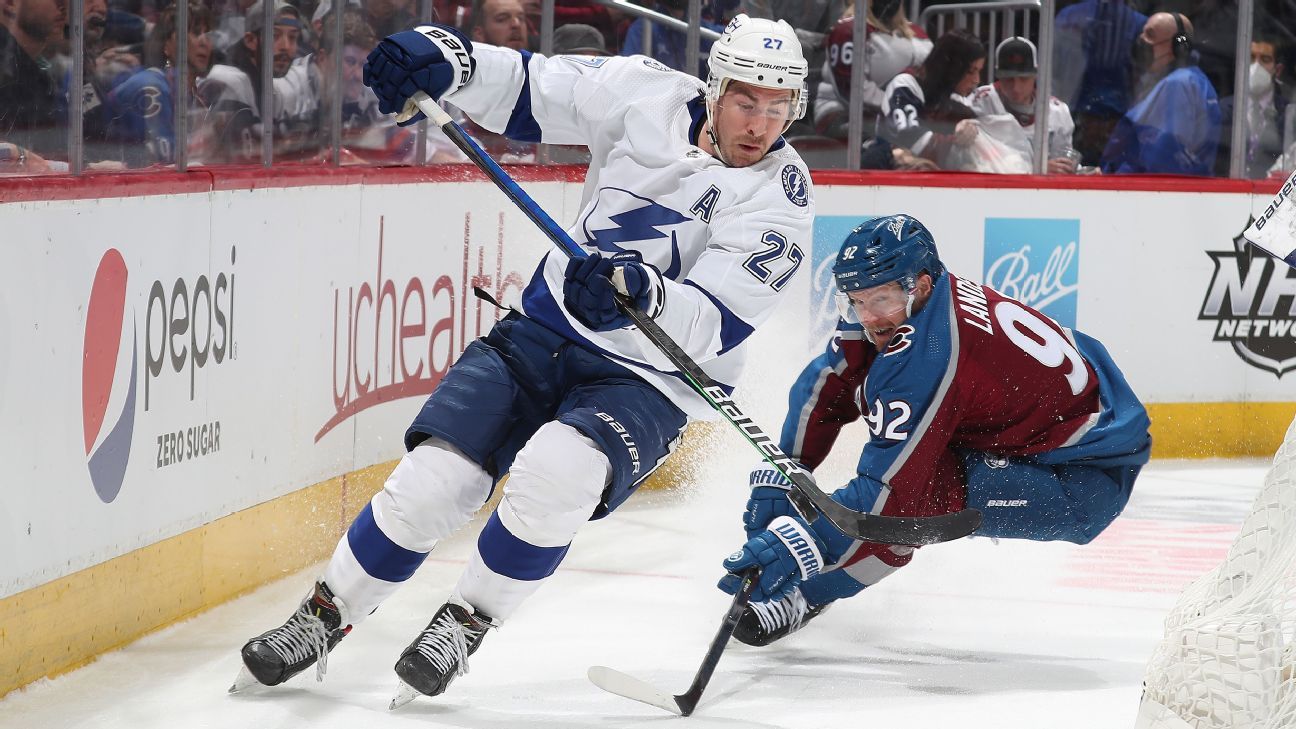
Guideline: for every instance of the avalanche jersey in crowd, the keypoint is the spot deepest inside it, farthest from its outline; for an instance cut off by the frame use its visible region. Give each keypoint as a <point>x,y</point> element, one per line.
<point>889,53</point>
<point>726,240</point>
<point>142,118</point>
<point>972,371</point>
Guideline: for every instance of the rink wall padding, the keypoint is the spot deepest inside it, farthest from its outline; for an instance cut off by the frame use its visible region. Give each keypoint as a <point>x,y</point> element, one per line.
<point>203,375</point>
<point>65,623</point>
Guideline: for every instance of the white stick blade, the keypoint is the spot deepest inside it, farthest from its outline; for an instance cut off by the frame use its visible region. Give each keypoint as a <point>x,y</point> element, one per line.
<point>615,682</point>
<point>1274,228</point>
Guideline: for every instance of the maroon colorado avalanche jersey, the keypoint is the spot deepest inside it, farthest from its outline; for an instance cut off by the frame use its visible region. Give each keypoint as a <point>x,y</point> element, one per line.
<point>973,370</point>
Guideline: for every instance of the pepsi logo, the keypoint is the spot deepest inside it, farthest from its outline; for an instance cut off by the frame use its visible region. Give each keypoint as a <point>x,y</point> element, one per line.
<point>109,376</point>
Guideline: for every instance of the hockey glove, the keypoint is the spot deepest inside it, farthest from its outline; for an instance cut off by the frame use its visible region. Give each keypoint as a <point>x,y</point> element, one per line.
<point>434,59</point>
<point>787,553</point>
<point>591,283</point>
<point>769,499</point>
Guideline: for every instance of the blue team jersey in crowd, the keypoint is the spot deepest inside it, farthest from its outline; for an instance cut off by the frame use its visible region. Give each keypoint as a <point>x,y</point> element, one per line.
<point>142,117</point>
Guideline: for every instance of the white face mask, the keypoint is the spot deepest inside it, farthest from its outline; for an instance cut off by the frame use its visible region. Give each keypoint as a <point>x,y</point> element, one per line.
<point>1260,80</point>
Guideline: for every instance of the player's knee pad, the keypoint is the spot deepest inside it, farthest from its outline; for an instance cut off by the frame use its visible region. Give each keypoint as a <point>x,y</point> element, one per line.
<point>432,492</point>
<point>554,486</point>
<point>1021,499</point>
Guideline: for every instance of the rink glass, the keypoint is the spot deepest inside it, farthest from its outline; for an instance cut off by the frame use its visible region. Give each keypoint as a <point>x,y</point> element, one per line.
<point>63,127</point>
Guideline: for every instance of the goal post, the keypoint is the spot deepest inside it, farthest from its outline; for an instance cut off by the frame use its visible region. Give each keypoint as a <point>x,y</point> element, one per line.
<point>1226,661</point>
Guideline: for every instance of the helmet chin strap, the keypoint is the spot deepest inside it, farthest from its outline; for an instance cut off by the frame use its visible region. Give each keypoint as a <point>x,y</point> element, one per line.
<point>715,142</point>
<point>909,303</point>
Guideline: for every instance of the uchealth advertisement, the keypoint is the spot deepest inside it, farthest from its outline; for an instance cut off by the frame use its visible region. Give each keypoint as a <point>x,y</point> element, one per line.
<point>163,365</point>
<point>169,360</point>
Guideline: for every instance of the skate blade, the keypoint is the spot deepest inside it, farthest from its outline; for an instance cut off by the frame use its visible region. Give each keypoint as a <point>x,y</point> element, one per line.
<point>405,693</point>
<point>243,680</point>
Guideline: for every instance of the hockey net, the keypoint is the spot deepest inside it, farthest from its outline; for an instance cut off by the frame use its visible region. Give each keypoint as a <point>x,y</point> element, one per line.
<point>1227,658</point>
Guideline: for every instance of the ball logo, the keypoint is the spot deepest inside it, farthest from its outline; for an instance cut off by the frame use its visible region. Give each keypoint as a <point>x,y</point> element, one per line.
<point>108,432</point>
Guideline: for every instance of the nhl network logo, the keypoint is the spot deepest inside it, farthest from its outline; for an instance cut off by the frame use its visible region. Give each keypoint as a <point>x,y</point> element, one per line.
<point>1252,300</point>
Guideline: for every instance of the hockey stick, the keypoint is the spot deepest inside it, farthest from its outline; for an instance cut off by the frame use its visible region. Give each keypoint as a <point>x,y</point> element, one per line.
<point>613,681</point>
<point>805,495</point>
<point>1275,230</point>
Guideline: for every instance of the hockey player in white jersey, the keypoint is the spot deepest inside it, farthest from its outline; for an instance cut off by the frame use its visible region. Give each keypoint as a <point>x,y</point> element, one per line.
<point>693,206</point>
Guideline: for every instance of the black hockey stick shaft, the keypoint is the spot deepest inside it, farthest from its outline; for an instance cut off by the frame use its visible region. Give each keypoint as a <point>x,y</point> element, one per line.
<point>688,700</point>
<point>805,495</point>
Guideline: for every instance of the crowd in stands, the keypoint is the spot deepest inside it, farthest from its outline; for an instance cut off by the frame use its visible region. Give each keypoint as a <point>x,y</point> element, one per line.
<point>1138,86</point>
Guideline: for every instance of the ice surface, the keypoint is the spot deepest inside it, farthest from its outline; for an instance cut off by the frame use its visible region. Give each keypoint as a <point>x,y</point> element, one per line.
<point>971,635</point>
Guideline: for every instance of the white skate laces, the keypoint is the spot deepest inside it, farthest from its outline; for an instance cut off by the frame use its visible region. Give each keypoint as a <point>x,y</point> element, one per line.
<point>445,646</point>
<point>775,614</point>
<point>304,635</point>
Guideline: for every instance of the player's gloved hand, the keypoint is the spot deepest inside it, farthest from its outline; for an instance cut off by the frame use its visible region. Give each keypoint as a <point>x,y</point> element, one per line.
<point>435,59</point>
<point>590,285</point>
<point>787,553</point>
<point>769,499</point>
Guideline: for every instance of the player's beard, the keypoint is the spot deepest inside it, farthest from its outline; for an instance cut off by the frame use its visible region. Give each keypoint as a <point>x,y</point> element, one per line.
<point>735,156</point>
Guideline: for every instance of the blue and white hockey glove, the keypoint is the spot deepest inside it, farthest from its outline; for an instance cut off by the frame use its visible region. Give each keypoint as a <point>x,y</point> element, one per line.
<point>787,553</point>
<point>769,499</point>
<point>590,284</point>
<point>434,59</point>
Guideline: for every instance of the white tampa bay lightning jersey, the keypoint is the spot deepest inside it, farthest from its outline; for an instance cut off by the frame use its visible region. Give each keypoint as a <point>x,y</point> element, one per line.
<point>726,240</point>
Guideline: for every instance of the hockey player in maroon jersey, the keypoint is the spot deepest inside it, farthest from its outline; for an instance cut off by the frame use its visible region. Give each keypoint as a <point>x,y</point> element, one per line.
<point>972,399</point>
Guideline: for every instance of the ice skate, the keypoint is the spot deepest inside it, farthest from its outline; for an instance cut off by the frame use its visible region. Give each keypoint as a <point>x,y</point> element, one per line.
<point>440,653</point>
<point>763,623</point>
<point>310,633</point>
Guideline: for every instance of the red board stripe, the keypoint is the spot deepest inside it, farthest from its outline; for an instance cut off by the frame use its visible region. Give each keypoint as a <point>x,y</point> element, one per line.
<point>137,184</point>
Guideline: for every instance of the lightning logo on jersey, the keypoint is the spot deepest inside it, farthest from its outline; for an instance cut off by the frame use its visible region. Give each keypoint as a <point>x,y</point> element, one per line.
<point>639,224</point>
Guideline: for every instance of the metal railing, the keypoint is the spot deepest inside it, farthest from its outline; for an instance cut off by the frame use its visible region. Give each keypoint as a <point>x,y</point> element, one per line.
<point>1005,19</point>
<point>985,20</point>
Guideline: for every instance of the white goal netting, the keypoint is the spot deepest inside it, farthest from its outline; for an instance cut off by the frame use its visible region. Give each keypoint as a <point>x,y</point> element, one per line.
<point>1227,658</point>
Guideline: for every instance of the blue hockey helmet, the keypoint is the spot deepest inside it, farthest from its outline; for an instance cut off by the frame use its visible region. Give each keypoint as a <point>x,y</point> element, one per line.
<point>885,249</point>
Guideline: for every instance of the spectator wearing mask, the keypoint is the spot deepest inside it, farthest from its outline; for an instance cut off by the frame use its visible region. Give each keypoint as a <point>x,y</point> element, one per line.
<point>1174,125</point>
<point>143,106</point>
<point>1266,106</point>
<point>1006,108</point>
<point>925,109</point>
<point>893,44</point>
<point>29,103</point>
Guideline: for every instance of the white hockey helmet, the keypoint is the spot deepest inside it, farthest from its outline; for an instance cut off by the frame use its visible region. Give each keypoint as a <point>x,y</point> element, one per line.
<point>759,52</point>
